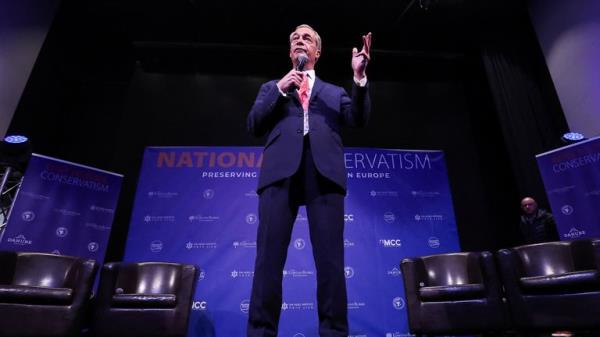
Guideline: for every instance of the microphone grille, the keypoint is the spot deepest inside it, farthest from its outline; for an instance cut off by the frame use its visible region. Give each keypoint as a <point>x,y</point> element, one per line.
<point>302,59</point>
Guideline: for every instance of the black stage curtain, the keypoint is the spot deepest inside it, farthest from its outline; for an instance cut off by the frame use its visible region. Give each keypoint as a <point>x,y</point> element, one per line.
<point>528,108</point>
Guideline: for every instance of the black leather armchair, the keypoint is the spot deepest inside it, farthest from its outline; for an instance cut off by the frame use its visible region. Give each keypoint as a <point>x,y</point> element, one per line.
<point>144,299</point>
<point>457,293</point>
<point>43,294</point>
<point>554,285</point>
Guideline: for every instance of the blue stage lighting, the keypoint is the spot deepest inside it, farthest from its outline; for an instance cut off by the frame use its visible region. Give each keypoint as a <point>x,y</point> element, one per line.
<point>15,139</point>
<point>573,137</point>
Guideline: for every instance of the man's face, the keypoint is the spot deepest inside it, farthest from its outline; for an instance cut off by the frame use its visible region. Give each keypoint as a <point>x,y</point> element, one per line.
<point>303,41</point>
<point>529,206</point>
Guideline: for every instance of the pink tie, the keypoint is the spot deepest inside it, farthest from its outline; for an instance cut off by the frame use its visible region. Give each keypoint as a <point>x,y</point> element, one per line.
<point>303,92</point>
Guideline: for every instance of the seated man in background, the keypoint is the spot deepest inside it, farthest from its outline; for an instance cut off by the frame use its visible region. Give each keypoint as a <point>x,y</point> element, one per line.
<point>537,225</point>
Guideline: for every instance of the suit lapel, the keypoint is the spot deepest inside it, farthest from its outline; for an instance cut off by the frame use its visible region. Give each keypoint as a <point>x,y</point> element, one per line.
<point>317,87</point>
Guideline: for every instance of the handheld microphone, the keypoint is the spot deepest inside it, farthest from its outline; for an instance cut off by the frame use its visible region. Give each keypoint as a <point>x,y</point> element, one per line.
<point>301,62</point>
<point>302,59</point>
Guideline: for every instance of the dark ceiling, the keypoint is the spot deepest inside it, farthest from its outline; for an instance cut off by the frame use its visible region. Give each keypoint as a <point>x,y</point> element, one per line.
<point>182,35</point>
<point>262,23</point>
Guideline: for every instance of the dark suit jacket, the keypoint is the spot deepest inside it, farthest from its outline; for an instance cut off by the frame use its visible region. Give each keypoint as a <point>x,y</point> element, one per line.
<point>281,118</point>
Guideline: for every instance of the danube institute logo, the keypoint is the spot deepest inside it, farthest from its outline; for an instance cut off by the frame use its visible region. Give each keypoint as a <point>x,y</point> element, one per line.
<point>574,233</point>
<point>20,240</point>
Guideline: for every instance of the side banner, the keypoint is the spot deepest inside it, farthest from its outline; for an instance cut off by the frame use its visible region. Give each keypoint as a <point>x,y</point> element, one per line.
<point>571,176</point>
<point>63,208</point>
<point>199,205</point>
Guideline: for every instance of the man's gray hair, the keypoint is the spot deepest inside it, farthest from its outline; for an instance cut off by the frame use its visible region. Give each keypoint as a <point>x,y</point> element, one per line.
<point>317,36</point>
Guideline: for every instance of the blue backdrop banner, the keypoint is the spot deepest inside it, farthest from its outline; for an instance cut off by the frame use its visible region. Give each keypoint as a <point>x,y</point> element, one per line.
<point>199,205</point>
<point>571,176</point>
<point>63,208</point>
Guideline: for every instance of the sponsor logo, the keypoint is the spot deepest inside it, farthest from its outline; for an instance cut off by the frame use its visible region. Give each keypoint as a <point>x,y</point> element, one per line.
<point>56,252</point>
<point>244,244</point>
<point>356,305</point>
<point>203,218</point>
<point>156,246</point>
<point>395,272</point>
<point>561,190</point>
<point>199,305</point>
<point>429,217</point>
<point>348,217</point>
<point>241,274</point>
<point>389,217</point>
<point>28,216</point>
<point>66,212</point>
<point>162,195</point>
<point>567,210</point>
<point>593,193</point>
<point>293,273</point>
<point>200,245</point>
<point>251,194</point>
<point>391,243</point>
<point>425,194</point>
<point>434,242</point>
<point>61,232</point>
<point>574,233</point>
<point>301,217</point>
<point>245,306</point>
<point>93,246</point>
<point>349,272</point>
<point>383,194</point>
<point>101,209</point>
<point>299,244</point>
<point>397,334</point>
<point>251,218</point>
<point>159,218</point>
<point>348,243</point>
<point>201,275</point>
<point>20,240</point>
<point>208,194</point>
<point>297,306</point>
<point>96,226</point>
<point>398,303</point>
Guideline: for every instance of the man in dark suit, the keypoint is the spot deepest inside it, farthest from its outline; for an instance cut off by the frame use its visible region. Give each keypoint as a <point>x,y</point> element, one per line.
<point>303,164</point>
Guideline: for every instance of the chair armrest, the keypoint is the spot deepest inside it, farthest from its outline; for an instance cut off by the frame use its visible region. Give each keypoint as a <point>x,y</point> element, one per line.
<point>491,279</point>
<point>108,280</point>
<point>510,272</point>
<point>83,283</point>
<point>187,286</point>
<point>413,274</point>
<point>595,243</point>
